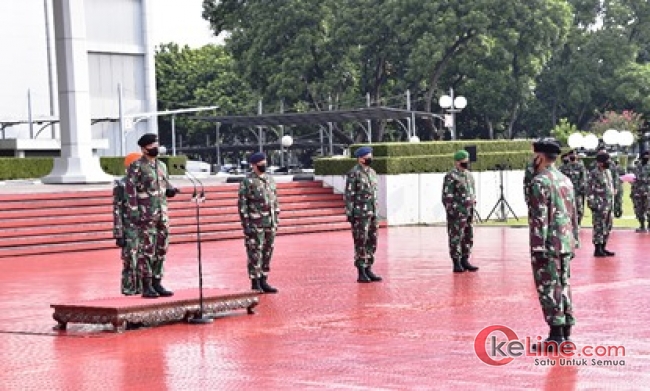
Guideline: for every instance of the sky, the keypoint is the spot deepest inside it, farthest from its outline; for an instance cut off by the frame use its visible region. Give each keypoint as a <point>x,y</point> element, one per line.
<point>180,21</point>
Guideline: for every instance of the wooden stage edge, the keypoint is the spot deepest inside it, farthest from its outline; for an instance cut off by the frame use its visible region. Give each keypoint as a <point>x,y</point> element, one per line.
<point>127,312</point>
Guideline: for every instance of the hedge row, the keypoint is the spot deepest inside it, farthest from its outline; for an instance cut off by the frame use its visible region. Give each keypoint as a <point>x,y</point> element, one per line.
<point>443,147</point>
<point>31,168</point>
<point>418,164</point>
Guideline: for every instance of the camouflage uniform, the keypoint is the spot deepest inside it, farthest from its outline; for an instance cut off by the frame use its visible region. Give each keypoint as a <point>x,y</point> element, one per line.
<point>529,174</point>
<point>362,209</point>
<point>553,237</point>
<point>259,215</point>
<point>459,199</point>
<point>617,183</point>
<point>640,192</point>
<point>146,184</point>
<point>600,199</point>
<point>577,173</point>
<point>122,229</point>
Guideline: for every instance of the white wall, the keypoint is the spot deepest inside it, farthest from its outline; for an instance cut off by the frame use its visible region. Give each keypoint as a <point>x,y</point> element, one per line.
<point>119,51</point>
<point>407,199</point>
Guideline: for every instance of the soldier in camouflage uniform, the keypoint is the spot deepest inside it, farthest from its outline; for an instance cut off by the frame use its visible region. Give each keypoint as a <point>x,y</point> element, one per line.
<point>259,215</point>
<point>361,209</point>
<point>147,188</point>
<point>616,182</point>
<point>641,191</point>
<point>577,173</point>
<point>600,199</point>
<point>126,235</point>
<point>553,238</point>
<point>459,199</point>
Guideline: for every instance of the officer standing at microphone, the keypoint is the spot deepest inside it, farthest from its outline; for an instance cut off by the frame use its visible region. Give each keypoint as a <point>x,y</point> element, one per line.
<point>147,188</point>
<point>259,212</point>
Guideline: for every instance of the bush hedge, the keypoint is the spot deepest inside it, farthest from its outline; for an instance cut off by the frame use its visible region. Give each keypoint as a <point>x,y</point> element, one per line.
<point>442,147</point>
<point>32,168</point>
<point>487,161</point>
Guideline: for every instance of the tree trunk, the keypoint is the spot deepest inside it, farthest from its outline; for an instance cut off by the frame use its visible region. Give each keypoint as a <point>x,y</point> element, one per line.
<point>513,119</point>
<point>490,128</point>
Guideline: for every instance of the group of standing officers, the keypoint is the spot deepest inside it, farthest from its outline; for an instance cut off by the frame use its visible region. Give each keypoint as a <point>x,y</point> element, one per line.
<point>555,198</point>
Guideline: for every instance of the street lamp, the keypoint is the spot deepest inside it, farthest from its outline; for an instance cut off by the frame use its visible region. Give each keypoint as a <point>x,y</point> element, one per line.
<point>590,142</point>
<point>576,141</point>
<point>611,137</point>
<point>286,142</point>
<point>453,105</point>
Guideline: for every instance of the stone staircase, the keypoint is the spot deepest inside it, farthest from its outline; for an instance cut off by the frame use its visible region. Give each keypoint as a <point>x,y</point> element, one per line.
<point>49,222</point>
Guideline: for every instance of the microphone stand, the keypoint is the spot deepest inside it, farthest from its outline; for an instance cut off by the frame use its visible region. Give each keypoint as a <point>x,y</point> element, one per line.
<point>199,318</point>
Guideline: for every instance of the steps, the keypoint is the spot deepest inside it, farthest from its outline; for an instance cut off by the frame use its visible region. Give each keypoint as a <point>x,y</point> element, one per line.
<point>53,222</point>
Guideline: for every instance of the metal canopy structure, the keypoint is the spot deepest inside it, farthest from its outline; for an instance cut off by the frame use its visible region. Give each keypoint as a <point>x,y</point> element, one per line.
<point>319,117</point>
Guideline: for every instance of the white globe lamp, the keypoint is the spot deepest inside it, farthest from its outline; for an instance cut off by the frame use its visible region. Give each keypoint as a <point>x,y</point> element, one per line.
<point>414,139</point>
<point>576,141</point>
<point>445,101</point>
<point>460,102</point>
<point>287,141</point>
<point>590,142</point>
<point>611,137</point>
<point>626,138</point>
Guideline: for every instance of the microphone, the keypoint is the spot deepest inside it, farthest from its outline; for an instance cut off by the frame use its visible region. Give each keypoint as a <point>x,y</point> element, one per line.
<point>182,167</point>
<point>196,179</point>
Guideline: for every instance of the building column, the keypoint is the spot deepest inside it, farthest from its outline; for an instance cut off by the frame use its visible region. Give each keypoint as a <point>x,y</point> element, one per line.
<point>77,163</point>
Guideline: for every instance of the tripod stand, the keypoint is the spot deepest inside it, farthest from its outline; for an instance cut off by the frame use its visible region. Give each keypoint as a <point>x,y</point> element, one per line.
<point>501,202</point>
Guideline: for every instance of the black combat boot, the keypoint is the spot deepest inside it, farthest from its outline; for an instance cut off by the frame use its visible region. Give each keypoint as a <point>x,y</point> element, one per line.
<point>457,267</point>
<point>552,343</point>
<point>464,262</point>
<point>641,228</point>
<point>266,288</point>
<point>160,289</point>
<point>363,276</point>
<point>599,252</point>
<point>147,289</point>
<point>567,332</point>
<point>606,251</point>
<point>255,285</point>
<point>372,276</point>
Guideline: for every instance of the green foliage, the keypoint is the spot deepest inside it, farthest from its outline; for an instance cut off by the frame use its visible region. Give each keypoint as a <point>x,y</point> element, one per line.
<point>516,160</point>
<point>25,168</point>
<point>447,148</point>
<point>563,130</point>
<point>31,168</point>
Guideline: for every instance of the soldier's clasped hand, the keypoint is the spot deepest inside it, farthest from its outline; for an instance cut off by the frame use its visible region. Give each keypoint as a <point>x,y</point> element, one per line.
<point>120,242</point>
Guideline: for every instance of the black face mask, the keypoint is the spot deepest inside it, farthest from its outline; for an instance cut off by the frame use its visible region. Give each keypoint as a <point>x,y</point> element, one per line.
<point>262,168</point>
<point>606,165</point>
<point>537,163</point>
<point>572,158</point>
<point>153,152</point>
<point>644,161</point>
<point>368,161</point>
<point>565,161</point>
<point>464,165</point>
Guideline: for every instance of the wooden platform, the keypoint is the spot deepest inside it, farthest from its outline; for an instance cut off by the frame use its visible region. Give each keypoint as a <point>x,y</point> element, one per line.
<point>129,311</point>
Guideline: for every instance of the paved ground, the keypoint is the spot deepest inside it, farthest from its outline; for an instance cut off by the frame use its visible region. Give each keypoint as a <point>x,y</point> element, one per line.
<point>416,330</point>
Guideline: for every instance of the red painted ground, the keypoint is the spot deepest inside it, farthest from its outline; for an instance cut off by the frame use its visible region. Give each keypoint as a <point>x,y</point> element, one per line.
<point>415,330</point>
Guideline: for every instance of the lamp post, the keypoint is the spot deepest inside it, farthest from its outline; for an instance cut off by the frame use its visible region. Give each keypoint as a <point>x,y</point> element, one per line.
<point>286,142</point>
<point>453,105</point>
<point>625,140</point>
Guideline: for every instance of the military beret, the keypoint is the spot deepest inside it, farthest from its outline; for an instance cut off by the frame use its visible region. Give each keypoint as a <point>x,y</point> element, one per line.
<point>363,151</point>
<point>461,155</point>
<point>602,158</point>
<point>547,145</point>
<point>257,157</point>
<point>147,139</point>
